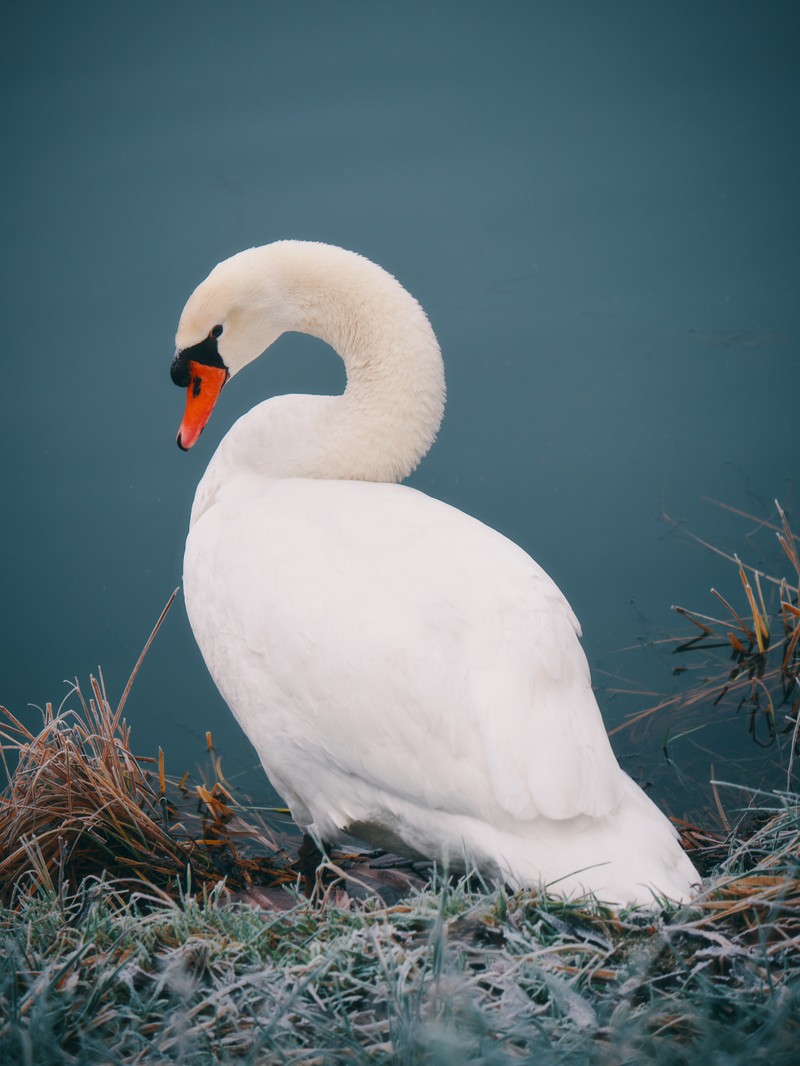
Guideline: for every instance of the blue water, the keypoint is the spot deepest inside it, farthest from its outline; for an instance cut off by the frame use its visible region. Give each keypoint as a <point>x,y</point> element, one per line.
<point>596,204</point>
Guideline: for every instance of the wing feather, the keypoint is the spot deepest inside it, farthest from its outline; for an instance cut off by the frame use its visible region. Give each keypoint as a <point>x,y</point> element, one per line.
<point>371,631</point>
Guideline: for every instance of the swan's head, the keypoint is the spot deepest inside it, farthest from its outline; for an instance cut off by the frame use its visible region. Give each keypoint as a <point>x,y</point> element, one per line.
<point>392,406</point>
<point>228,321</point>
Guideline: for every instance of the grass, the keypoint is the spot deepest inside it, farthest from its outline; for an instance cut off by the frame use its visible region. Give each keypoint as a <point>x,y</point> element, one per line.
<point>732,717</point>
<point>451,975</point>
<point>751,655</point>
<point>163,962</point>
<point>79,804</point>
<point>128,934</point>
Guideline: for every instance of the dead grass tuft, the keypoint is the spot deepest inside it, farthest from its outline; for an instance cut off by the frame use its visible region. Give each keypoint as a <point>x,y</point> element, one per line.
<point>78,803</point>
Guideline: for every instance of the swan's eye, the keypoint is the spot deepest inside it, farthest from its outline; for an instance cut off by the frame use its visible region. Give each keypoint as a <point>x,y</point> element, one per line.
<point>216,331</point>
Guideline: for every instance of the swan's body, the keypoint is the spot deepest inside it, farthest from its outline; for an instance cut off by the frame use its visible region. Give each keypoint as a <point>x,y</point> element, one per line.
<point>407,674</point>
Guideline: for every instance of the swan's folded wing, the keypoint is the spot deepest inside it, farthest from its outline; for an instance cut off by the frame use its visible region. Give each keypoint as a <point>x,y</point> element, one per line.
<point>387,637</point>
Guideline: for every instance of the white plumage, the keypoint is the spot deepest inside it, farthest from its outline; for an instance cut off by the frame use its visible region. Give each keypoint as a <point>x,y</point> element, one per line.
<point>407,674</point>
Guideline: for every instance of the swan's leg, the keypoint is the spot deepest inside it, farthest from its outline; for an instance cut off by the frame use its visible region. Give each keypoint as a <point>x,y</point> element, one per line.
<point>310,856</point>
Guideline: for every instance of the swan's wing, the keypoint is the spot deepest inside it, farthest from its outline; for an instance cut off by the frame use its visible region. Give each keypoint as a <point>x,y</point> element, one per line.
<point>375,630</point>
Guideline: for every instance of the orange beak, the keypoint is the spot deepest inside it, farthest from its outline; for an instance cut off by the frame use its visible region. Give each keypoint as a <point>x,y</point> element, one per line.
<point>205,385</point>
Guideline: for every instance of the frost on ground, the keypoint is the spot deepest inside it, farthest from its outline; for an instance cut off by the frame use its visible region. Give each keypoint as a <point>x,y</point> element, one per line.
<point>452,974</point>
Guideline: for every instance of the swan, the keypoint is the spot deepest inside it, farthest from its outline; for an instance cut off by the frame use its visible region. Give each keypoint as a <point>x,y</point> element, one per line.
<point>407,675</point>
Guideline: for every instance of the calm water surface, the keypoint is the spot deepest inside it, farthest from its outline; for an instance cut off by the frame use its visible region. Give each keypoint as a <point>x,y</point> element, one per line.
<point>596,204</point>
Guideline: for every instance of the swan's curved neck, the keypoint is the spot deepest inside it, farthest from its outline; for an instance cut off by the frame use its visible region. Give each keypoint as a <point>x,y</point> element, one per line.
<point>391,409</point>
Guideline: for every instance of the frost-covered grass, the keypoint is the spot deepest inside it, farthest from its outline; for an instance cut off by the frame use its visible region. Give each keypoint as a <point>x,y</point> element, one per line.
<point>452,974</point>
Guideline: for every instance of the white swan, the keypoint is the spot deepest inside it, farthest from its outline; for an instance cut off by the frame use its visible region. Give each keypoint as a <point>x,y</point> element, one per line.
<point>407,675</point>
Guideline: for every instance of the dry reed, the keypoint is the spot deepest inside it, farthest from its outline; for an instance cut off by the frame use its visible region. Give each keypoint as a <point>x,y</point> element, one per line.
<point>751,655</point>
<point>79,803</point>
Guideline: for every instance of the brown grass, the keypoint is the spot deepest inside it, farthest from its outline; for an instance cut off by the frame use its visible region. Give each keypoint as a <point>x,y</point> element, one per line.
<point>762,675</point>
<point>79,803</point>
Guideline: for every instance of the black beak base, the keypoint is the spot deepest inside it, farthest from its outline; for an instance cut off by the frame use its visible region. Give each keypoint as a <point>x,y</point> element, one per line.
<point>206,353</point>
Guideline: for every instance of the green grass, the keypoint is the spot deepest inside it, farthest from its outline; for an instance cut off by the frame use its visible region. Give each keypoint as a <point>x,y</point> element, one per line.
<point>451,975</point>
